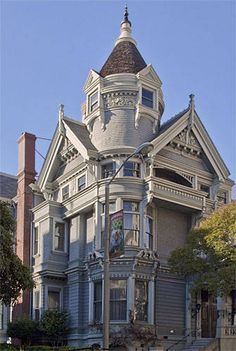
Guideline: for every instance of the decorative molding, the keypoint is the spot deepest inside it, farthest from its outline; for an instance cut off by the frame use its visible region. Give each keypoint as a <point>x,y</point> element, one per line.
<point>119,99</point>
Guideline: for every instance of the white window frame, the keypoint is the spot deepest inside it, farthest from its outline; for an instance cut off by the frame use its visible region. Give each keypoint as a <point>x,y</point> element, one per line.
<point>91,109</point>
<point>147,299</point>
<point>93,302</point>
<point>85,181</point>
<point>113,171</point>
<point>126,299</point>
<point>59,220</point>
<point>67,194</point>
<point>153,91</point>
<point>133,213</point>
<point>35,254</point>
<point>146,233</point>
<point>138,170</point>
<point>35,307</point>
<point>103,217</point>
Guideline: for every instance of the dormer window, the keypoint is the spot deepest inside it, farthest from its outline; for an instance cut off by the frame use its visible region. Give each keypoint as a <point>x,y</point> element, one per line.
<point>93,101</point>
<point>147,98</point>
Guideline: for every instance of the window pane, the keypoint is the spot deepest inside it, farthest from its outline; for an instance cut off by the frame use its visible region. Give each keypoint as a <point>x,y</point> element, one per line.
<point>93,100</point>
<point>147,98</point>
<point>36,240</point>
<point>131,169</point>
<point>59,236</point>
<point>65,192</point>
<point>131,206</point>
<point>97,301</point>
<point>141,300</point>
<point>108,170</point>
<point>118,303</point>
<point>81,183</point>
<point>53,300</point>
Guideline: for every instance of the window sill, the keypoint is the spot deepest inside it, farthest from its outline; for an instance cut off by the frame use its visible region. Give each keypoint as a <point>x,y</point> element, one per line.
<point>36,255</point>
<point>60,253</point>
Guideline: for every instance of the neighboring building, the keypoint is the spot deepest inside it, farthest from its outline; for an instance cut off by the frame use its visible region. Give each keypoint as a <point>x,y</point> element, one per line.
<point>163,196</point>
<point>8,188</point>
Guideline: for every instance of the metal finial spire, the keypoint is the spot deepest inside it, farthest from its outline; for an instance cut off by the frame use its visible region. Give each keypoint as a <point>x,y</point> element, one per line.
<point>126,15</point>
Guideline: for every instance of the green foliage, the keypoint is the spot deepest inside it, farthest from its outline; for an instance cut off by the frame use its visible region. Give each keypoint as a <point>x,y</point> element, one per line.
<point>14,276</point>
<point>54,324</point>
<point>209,255</point>
<point>24,329</point>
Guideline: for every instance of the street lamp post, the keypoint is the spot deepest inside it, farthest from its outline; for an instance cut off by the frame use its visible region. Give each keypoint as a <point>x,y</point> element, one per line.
<point>143,149</point>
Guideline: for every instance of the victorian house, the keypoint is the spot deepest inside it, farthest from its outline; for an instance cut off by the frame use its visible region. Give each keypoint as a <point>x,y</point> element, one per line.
<point>162,195</point>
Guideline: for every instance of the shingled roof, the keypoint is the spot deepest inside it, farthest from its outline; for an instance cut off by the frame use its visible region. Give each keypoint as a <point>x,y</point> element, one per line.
<point>125,58</point>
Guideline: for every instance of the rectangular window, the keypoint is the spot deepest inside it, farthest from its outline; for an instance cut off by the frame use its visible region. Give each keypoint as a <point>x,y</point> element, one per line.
<point>65,192</point>
<point>81,183</point>
<point>205,188</point>
<point>93,101</point>
<point>141,300</point>
<point>59,237</point>
<point>112,209</point>
<point>53,300</point>
<point>36,241</point>
<point>97,306</point>
<point>118,300</point>
<point>108,170</point>
<point>36,305</point>
<point>222,198</point>
<point>147,98</point>
<point>131,223</point>
<point>149,232</point>
<point>131,169</point>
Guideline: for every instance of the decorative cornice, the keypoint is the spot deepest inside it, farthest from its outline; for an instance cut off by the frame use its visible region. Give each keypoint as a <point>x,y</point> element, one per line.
<point>119,99</point>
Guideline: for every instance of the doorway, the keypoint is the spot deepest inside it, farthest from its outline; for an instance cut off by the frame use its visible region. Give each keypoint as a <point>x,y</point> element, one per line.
<point>208,315</point>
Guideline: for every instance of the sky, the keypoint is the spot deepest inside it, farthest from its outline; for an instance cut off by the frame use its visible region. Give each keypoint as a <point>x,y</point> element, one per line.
<point>48,48</point>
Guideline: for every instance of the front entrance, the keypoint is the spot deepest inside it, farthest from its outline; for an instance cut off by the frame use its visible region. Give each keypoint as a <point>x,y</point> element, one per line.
<point>208,315</point>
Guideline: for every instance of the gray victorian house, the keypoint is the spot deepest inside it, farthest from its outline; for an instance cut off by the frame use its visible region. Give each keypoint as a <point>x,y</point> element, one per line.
<point>163,195</point>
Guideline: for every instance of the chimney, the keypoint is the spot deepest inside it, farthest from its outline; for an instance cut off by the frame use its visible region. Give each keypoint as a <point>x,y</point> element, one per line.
<point>26,176</point>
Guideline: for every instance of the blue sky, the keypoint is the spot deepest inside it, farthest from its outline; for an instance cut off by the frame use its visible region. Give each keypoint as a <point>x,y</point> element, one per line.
<point>48,48</point>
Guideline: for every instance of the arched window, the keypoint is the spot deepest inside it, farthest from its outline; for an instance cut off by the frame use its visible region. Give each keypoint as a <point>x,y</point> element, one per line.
<point>172,176</point>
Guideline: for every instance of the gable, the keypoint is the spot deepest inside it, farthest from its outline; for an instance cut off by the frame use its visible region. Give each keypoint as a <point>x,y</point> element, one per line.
<point>190,141</point>
<point>149,74</point>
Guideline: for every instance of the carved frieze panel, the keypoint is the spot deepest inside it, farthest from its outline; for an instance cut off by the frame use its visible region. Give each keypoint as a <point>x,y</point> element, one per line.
<point>120,99</point>
<point>186,143</point>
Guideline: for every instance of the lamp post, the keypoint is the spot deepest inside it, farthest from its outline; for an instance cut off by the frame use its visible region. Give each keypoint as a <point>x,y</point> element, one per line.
<point>143,150</point>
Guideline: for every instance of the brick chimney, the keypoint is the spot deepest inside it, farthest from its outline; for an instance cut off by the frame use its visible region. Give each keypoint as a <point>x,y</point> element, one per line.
<point>26,176</point>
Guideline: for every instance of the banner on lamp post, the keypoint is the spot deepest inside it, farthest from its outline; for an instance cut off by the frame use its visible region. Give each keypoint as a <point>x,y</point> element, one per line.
<point>117,234</point>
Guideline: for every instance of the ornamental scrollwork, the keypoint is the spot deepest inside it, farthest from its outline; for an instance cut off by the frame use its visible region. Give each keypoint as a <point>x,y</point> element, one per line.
<point>119,99</point>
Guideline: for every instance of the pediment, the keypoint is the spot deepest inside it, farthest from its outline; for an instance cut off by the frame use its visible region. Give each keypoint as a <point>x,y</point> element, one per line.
<point>149,73</point>
<point>92,77</point>
<point>192,140</point>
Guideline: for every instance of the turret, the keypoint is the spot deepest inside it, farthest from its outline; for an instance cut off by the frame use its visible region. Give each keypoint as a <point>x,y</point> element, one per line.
<point>124,101</point>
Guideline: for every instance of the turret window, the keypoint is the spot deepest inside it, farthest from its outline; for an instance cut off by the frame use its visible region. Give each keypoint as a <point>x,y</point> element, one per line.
<point>65,192</point>
<point>93,101</point>
<point>108,170</point>
<point>147,98</point>
<point>132,169</point>
<point>81,183</point>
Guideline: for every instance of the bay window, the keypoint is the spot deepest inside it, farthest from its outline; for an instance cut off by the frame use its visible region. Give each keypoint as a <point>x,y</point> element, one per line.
<point>65,192</point>
<point>36,241</point>
<point>118,300</point>
<point>53,300</point>
<point>131,223</point>
<point>59,236</point>
<point>112,209</point>
<point>141,300</point>
<point>97,303</point>
<point>149,228</point>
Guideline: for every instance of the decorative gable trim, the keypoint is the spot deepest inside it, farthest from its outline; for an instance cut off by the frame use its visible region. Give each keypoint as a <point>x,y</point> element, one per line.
<point>92,80</point>
<point>201,137</point>
<point>149,74</point>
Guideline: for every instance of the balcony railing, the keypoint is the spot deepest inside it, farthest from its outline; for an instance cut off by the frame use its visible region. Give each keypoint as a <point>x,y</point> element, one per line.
<point>176,193</point>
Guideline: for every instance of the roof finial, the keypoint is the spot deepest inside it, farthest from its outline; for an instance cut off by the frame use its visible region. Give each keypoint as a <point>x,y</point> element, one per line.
<point>192,108</point>
<point>126,16</point>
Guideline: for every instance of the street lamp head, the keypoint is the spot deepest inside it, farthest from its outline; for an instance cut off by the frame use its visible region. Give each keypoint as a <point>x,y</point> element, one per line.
<point>144,149</point>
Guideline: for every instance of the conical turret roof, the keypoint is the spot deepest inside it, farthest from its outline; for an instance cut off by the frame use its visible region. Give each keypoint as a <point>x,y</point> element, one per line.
<point>125,57</point>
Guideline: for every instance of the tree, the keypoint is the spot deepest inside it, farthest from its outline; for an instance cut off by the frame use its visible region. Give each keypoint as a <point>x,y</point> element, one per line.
<point>14,276</point>
<point>23,329</point>
<point>209,256</point>
<point>54,324</point>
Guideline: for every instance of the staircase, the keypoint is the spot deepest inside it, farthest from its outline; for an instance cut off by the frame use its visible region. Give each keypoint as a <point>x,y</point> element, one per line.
<point>200,345</point>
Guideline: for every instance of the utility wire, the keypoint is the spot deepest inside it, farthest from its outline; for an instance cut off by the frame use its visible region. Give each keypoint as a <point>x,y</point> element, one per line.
<point>40,154</point>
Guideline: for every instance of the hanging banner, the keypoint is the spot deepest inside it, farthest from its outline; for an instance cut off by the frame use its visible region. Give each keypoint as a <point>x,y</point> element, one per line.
<point>117,234</point>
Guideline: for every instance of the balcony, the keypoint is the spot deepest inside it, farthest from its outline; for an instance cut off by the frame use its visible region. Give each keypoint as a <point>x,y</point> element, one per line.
<point>176,193</point>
